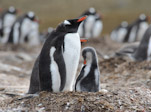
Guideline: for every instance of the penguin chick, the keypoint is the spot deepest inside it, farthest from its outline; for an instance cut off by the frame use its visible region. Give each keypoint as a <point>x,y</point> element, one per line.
<point>89,78</point>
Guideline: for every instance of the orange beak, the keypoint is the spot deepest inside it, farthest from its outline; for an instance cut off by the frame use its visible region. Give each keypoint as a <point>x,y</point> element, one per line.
<point>148,18</point>
<point>84,62</point>
<point>82,19</point>
<point>36,20</point>
<point>1,9</point>
<point>83,40</point>
<point>18,10</point>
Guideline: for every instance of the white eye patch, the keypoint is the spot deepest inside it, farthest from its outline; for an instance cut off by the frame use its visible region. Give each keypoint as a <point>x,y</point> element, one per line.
<point>142,16</point>
<point>11,9</point>
<point>67,22</point>
<point>31,14</point>
<point>92,10</point>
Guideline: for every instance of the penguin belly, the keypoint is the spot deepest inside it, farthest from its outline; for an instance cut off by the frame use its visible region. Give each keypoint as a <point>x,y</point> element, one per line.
<point>121,34</point>
<point>89,80</point>
<point>25,30</point>
<point>16,33</point>
<point>97,29</point>
<point>9,19</point>
<point>84,72</point>
<point>34,34</point>
<point>141,31</point>
<point>113,35</point>
<point>132,36</point>
<point>71,56</point>
<point>88,26</point>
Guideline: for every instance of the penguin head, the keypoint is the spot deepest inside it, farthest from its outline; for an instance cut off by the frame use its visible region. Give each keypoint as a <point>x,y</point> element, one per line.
<point>71,25</point>
<point>124,24</point>
<point>12,10</point>
<point>89,55</point>
<point>92,10</point>
<point>143,17</point>
<point>31,15</point>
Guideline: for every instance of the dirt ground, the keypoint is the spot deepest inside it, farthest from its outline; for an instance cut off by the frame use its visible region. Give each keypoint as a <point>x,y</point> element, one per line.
<point>126,85</point>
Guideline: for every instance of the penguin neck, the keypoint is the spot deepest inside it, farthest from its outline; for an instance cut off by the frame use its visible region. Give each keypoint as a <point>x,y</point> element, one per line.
<point>91,62</point>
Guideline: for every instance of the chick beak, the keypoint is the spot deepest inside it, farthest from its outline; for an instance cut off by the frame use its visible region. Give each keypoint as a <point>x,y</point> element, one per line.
<point>84,62</point>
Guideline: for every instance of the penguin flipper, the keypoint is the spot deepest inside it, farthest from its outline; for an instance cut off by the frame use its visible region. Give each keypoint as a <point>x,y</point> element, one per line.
<point>79,77</point>
<point>58,57</point>
<point>34,80</point>
<point>127,50</point>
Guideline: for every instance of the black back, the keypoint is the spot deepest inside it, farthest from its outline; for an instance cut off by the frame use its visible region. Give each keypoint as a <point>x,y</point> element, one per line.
<point>11,35</point>
<point>34,80</point>
<point>56,39</point>
<point>135,23</point>
<point>141,52</point>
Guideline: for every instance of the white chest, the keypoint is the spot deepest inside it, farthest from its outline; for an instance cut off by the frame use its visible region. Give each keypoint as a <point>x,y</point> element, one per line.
<point>71,56</point>
<point>26,26</point>
<point>86,71</point>
<point>142,29</point>
<point>9,19</point>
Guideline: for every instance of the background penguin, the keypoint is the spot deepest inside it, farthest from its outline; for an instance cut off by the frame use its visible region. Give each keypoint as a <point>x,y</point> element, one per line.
<point>137,29</point>
<point>89,78</point>
<point>92,26</point>
<point>7,18</point>
<point>141,52</point>
<point>22,29</point>
<point>132,32</point>
<point>58,60</point>
<point>43,35</point>
<point>119,33</point>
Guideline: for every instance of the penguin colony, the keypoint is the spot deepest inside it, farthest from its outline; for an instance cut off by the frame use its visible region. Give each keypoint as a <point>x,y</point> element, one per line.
<point>24,29</point>
<point>56,66</point>
<point>132,32</point>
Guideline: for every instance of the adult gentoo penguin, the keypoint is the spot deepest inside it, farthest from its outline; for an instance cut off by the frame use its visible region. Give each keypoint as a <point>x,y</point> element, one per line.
<point>140,52</point>
<point>24,28</point>
<point>137,29</point>
<point>59,59</point>
<point>92,26</point>
<point>89,78</point>
<point>119,33</point>
<point>7,18</point>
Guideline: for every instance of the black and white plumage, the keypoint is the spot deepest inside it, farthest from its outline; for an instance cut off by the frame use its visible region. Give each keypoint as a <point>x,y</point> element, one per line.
<point>7,18</point>
<point>89,78</point>
<point>139,52</point>
<point>133,32</point>
<point>119,33</point>
<point>25,30</point>
<point>92,26</point>
<point>59,59</point>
